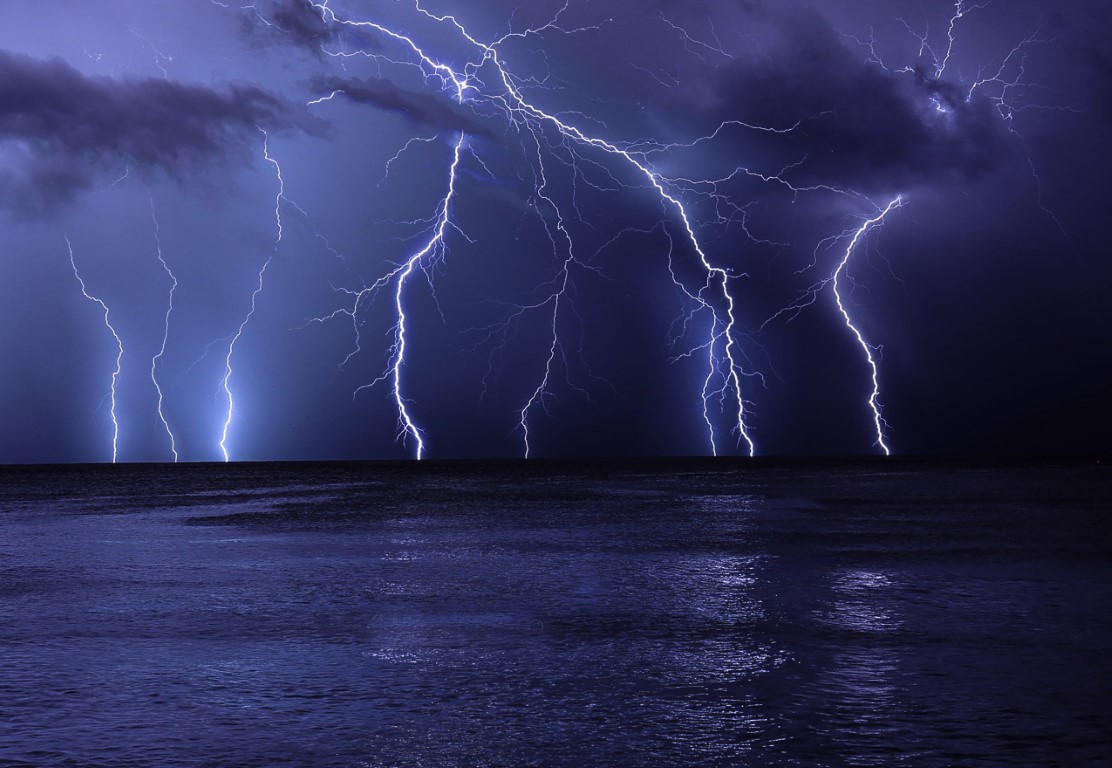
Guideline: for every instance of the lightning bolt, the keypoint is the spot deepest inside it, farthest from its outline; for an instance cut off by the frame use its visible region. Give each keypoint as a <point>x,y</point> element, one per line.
<point>723,324</point>
<point>226,384</point>
<point>960,10</point>
<point>119,347</point>
<point>1009,98</point>
<point>485,83</point>
<point>432,252</point>
<point>556,299</point>
<point>165,333</point>
<point>415,261</point>
<point>714,296</point>
<point>839,273</point>
<point>834,281</point>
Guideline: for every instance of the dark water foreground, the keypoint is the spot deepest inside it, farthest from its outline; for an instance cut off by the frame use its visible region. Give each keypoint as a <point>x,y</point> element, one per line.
<point>648,614</point>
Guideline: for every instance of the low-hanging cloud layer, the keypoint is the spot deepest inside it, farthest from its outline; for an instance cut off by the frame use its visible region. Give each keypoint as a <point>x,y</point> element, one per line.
<point>63,130</point>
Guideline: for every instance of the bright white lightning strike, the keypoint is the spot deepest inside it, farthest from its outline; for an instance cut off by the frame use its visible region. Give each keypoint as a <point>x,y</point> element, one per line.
<point>712,294</point>
<point>119,347</point>
<point>723,355</point>
<point>538,395</point>
<point>254,298</point>
<point>874,396</point>
<point>434,246</point>
<point>323,99</point>
<point>165,334</point>
<point>526,115</point>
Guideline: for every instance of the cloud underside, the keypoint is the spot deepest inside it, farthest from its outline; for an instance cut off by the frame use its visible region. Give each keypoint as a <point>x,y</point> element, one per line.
<point>862,126</point>
<point>61,131</point>
<point>435,111</point>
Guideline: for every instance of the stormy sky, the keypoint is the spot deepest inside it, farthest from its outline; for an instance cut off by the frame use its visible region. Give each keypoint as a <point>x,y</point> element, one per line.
<point>612,228</point>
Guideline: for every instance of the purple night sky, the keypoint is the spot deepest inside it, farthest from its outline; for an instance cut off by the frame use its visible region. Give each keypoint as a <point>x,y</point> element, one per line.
<point>603,227</point>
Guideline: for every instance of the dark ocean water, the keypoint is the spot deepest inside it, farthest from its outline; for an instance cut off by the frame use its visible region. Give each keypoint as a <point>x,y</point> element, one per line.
<point>642,614</point>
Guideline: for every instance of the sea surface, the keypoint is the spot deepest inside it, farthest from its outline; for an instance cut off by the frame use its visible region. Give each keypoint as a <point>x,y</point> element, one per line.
<point>645,613</point>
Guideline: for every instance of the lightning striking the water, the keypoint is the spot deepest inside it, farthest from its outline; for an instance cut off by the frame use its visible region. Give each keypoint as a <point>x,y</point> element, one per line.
<point>715,183</point>
<point>165,333</point>
<point>423,259</point>
<point>834,281</point>
<point>723,379</point>
<point>839,273</point>
<point>119,348</point>
<point>556,299</point>
<point>226,383</point>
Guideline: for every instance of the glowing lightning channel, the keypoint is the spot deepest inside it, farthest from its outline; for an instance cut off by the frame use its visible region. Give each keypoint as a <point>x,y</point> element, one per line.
<point>119,347</point>
<point>165,333</point>
<point>1007,93</point>
<point>254,297</point>
<point>874,396</point>
<point>724,357</point>
<point>520,112</point>
<point>717,277</point>
<point>555,298</point>
<point>323,99</point>
<point>485,79</point>
<point>960,10</point>
<point>434,247</point>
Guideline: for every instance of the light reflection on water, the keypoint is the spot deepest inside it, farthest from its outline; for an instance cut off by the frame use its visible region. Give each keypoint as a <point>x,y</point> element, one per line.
<point>861,602</point>
<point>589,617</point>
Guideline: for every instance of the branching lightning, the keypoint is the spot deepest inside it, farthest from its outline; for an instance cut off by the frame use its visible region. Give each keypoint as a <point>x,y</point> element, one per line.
<point>254,298</point>
<point>711,325</point>
<point>557,297</point>
<point>119,348</point>
<point>165,333</point>
<point>839,273</point>
<point>714,296</point>
<point>765,216</point>
<point>424,260</point>
<point>432,250</point>
<point>1005,88</point>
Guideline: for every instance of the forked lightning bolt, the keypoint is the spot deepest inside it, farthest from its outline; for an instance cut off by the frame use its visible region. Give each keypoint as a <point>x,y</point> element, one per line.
<point>561,154</point>
<point>165,334</point>
<point>557,297</point>
<point>714,296</point>
<point>424,259</point>
<point>483,81</point>
<point>834,280</point>
<point>254,299</point>
<point>839,273</point>
<point>434,246</point>
<point>119,348</point>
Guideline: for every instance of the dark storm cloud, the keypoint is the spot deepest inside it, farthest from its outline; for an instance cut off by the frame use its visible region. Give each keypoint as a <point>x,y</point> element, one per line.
<point>290,22</point>
<point>299,24</point>
<point>60,130</point>
<point>862,125</point>
<point>434,111</point>
<point>1100,81</point>
<point>302,22</point>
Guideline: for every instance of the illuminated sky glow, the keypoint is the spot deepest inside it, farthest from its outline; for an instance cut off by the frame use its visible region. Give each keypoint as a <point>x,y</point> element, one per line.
<point>419,228</point>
